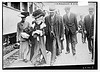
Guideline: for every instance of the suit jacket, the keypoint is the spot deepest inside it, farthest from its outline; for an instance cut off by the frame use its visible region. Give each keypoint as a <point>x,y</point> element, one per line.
<point>89,25</point>
<point>20,28</point>
<point>70,23</point>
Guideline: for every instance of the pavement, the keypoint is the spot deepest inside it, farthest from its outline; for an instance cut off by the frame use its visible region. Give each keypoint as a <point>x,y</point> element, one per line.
<point>82,56</point>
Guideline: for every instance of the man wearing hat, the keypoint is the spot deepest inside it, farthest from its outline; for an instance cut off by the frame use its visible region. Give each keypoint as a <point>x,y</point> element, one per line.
<point>70,22</point>
<point>81,26</point>
<point>89,29</point>
<point>38,34</point>
<point>22,37</point>
<point>53,34</point>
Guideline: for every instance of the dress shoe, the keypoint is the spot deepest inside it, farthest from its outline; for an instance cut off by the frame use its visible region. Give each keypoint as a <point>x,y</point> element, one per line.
<point>91,60</point>
<point>90,52</point>
<point>67,52</point>
<point>74,54</point>
<point>25,60</point>
<point>51,64</point>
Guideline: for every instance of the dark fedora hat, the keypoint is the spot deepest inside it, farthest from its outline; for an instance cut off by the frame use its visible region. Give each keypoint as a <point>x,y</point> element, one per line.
<point>38,13</point>
<point>24,14</point>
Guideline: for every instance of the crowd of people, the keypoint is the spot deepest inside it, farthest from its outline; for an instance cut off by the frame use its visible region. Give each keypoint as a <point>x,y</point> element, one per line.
<point>34,47</point>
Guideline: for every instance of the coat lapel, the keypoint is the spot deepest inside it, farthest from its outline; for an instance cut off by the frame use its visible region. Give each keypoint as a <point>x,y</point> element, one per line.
<point>54,21</point>
<point>67,18</point>
<point>70,17</point>
<point>49,20</point>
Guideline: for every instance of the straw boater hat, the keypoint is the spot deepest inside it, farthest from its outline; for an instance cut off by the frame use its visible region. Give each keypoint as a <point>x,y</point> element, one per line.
<point>38,13</point>
<point>24,14</point>
<point>91,9</point>
<point>52,9</point>
<point>67,8</point>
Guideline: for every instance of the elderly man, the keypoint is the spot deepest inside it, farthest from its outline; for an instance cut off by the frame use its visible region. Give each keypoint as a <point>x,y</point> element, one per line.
<point>71,28</point>
<point>53,23</point>
<point>22,37</point>
<point>89,27</point>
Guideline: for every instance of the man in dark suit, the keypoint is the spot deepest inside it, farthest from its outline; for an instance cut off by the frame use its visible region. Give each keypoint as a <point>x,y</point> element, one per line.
<point>53,22</point>
<point>89,29</point>
<point>81,28</point>
<point>71,28</point>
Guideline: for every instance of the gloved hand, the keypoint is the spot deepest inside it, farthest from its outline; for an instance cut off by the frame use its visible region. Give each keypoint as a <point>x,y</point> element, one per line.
<point>85,32</point>
<point>52,34</point>
<point>35,36</point>
<point>92,37</point>
<point>42,25</point>
<point>18,41</point>
<point>40,32</point>
<point>37,32</point>
<point>62,38</point>
<point>76,31</point>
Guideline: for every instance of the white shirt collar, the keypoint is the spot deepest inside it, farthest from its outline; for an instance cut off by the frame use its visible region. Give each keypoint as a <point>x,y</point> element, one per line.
<point>68,14</point>
<point>90,15</point>
<point>53,16</point>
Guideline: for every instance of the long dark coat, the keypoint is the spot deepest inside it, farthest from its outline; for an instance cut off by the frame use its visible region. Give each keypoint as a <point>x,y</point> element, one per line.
<point>57,29</point>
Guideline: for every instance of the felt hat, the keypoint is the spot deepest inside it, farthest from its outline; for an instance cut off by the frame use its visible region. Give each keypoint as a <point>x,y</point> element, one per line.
<point>52,9</point>
<point>24,14</point>
<point>38,13</point>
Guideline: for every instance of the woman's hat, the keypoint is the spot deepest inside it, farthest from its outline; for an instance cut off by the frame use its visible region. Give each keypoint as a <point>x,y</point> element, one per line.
<point>38,13</point>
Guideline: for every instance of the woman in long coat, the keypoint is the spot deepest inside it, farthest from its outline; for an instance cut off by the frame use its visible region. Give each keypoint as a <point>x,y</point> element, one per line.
<point>38,34</point>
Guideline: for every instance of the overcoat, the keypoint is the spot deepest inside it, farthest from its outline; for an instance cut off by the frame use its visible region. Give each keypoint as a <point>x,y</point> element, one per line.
<point>39,46</point>
<point>58,29</point>
<point>89,25</point>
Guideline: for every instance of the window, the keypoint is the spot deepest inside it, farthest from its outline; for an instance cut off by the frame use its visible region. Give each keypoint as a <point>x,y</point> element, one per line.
<point>24,6</point>
<point>4,3</point>
<point>15,5</point>
<point>31,8</point>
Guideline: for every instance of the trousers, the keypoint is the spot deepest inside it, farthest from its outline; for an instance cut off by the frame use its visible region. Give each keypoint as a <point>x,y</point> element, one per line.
<point>70,38</point>
<point>24,51</point>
